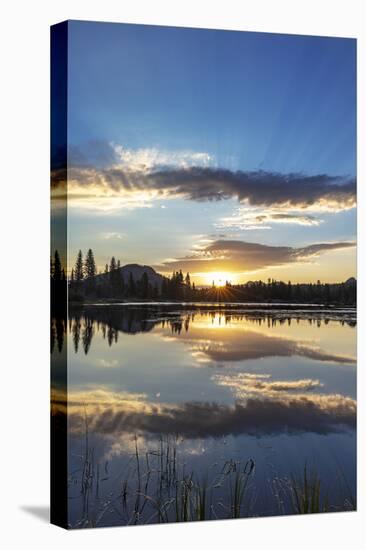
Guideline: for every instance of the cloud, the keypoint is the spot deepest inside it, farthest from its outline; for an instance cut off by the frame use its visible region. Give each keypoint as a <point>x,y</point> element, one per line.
<point>258,188</point>
<point>111,171</point>
<point>112,235</point>
<point>148,159</point>
<point>247,219</point>
<point>241,256</point>
<point>102,154</point>
<point>294,218</point>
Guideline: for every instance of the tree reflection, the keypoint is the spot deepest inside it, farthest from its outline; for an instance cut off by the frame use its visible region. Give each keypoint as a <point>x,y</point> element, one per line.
<point>87,334</point>
<point>112,320</point>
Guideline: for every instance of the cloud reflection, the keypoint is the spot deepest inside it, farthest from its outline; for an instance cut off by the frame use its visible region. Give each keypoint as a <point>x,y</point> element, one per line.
<point>270,411</point>
<point>231,345</point>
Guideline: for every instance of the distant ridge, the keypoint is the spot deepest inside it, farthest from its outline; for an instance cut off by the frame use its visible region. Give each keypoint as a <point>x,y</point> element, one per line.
<point>137,271</point>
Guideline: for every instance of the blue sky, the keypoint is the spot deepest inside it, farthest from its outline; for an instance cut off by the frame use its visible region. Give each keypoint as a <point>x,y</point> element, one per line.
<point>239,106</point>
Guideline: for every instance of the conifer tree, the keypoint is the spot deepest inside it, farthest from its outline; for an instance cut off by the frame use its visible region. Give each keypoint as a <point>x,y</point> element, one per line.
<point>57,271</point>
<point>90,267</point>
<point>79,273</point>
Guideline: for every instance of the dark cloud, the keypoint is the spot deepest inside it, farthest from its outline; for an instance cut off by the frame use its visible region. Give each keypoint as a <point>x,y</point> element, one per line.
<point>258,188</point>
<point>225,255</point>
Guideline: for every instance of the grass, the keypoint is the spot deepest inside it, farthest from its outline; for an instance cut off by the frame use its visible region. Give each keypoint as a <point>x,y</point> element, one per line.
<point>155,487</point>
<point>306,494</point>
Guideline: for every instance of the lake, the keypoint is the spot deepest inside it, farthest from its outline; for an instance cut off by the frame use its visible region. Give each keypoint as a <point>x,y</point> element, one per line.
<point>180,412</point>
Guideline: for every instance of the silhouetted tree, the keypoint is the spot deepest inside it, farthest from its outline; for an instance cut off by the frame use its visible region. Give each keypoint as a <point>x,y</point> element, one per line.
<point>57,269</point>
<point>79,272</point>
<point>90,267</point>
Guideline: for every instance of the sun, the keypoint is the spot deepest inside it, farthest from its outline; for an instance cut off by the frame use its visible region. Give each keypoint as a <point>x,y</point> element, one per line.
<point>218,278</point>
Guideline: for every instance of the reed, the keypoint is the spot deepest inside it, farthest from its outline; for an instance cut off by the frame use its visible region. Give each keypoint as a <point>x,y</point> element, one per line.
<point>155,486</point>
<point>305,494</point>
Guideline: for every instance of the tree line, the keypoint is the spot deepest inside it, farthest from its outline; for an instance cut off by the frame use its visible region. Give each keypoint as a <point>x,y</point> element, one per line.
<point>111,283</point>
<point>272,290</point>
<point>85,282</point>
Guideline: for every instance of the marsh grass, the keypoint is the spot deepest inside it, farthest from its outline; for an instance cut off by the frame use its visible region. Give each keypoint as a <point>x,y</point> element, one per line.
<point>306,495</point>
<point>155,486</point>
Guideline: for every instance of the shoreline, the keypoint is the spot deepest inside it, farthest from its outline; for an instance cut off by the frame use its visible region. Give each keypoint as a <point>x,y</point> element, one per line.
<point>196,304</point>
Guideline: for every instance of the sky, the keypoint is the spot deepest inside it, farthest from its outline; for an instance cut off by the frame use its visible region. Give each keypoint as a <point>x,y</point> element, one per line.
<point>226,154</point>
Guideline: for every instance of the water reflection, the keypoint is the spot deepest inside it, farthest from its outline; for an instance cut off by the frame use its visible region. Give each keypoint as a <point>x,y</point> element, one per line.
<point>261,403</point>
<point>261,414</point>
<point>134,320</point>
<point>227,386</point>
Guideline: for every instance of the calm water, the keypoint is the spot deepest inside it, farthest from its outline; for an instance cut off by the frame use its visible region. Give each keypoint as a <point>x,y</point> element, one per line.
<point>167,400</point>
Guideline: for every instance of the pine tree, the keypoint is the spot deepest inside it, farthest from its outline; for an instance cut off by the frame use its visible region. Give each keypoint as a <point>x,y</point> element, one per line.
<point>188,280</point>
<point>90,267</point>
<point>72,275</point>
<point>79,273</point>
<point>106,269</point>
<point>57,271</point>
<point>113,264</point>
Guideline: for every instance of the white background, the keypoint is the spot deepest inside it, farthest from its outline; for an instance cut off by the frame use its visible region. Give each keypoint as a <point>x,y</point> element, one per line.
<point>24,253</point>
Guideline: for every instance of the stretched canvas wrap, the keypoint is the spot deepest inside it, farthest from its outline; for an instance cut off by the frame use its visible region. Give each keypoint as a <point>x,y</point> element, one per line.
<point>203,274</point>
